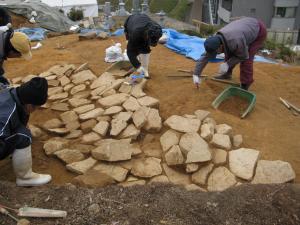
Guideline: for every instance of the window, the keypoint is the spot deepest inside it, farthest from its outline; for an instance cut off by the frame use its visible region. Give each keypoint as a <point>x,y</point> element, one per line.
<point>285,12</point>
<point>253,11</point>
<point>227,4</point>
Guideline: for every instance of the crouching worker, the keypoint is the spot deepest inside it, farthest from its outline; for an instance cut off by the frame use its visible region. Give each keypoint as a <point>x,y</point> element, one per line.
<point>240,40</point>
<point>16,104</point>
<point>141,33</point>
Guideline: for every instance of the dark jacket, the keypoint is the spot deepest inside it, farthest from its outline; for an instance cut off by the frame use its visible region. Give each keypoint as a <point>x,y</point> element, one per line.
<point>236,38</point>
<point>13,121</point>
<point>135,28</point>
<point>4,17</point>
<point>5,47</point>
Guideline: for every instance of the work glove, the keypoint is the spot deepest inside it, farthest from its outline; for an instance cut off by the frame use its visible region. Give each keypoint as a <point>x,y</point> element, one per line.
<point>141,70</point>
<point>223,68</point>
<point>196,80</point>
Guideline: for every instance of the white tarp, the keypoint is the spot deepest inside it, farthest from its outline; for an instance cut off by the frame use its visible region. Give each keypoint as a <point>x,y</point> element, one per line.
<point>90,7</point>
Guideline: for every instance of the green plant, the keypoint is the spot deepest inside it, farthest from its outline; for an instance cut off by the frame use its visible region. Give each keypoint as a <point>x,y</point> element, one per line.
<point>180,10</point>
<point>75,14</point>
<point>208,30</point>
<point>280,51</point>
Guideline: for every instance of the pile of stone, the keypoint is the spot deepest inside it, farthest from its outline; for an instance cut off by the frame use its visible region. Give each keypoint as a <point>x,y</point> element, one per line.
<point>103,134</point>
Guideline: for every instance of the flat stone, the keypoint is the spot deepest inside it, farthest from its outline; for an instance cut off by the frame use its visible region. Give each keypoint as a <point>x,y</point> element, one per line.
<point>105,80</point>
<point>58,96</point>
<point>136,149</point>
<point>83,76</point>
<point>191,167</point>
<point>201,114</point>
<point>54,144</point>
<point>82,167</point>
<point>82,94</point>
<point>201,175</point>
<point>182,124</point>
<point>109,93</point>
<point>64,80</point>
<point>147,167</point>
<point>116,172</point>
<point>159,179</point>
<point>219,157</point>
<point>152,149</point>
<point>131,104</point>
<point>88,125</point>
<point>207,131</point>
<point>133,183</point>
<point>53,123</point>
<point>242,162</point>
<point>68,87</point>
<point>115,85</point>
<point>82,67</point>
<point>174,156</point>
<point>35,131</point>
<point>28,78</point>
<point>139,117</point>
<point>220,179</point>
<point>176,177</point>
<point>74,134</point>
<point>90,138</point>
<point>68,117</point>
<point>104,118</point>
<point>62,130</point>
<point>194,187</point>
<point>113,100</point>
<point>61,70</point>
<point>117,126</point>
<point>273,172</point>
<point>221,141</point>
<point>190,116</point>
<point>169,139</point>
<point>77,102</point>
<point>210,120</point>
<point>195,148</point>
<point>113,150</point>
<point>101,128</point>
<point>78,88</point>
<point>224,129</point>
<point>93,179</point>
<point>137,90</point>
<point>84,149</point>
<point>43,74</point>
<point>154,122</point>
<point>113,110</point>
<point>74,125</point>
<point>62,107</point>
<point>52,77</point>
<point>237,140</point>
<point>125,88</point>
<point>125,116</point>
<point>54,90</point>
<point>53,83</point>
<point>130,132</point>
<point>84,108</point>
<point>148,102</point>
<point>93,114</point>
<point>69,155</point>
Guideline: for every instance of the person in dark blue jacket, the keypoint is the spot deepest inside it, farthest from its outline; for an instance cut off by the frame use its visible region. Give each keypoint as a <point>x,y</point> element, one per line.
<point>141,32</point>
<point>16,104</point>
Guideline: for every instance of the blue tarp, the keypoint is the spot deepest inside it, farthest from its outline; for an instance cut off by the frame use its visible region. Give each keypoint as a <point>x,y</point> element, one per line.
<point>118,32</point>
<point>34,34</point>
<point>192,46</point>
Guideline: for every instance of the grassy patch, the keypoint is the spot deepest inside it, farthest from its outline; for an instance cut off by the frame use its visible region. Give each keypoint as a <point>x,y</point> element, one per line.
<point>165,5</point>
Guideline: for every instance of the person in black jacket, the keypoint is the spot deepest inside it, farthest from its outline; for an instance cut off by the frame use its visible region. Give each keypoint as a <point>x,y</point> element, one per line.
<point>141,33</point>
<point>4,17</point>
<point>16,104</point>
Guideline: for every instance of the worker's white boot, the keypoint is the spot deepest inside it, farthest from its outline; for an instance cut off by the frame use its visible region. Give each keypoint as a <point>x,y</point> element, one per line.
<point>22,164</point>
<point>145,59</point>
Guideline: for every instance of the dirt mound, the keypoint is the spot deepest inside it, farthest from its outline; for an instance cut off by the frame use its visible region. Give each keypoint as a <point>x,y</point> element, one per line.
<point>20,21</point>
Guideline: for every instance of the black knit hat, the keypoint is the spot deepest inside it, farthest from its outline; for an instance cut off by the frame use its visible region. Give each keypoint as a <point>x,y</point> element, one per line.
<point>34,92</point>
<point>211,45</point>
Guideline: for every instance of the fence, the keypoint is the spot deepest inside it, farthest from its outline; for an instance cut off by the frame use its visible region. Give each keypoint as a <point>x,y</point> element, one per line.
<point>284,37</point>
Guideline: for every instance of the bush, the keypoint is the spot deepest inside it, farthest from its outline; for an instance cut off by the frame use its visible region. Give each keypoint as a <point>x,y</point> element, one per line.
<point>75,14</point>
<point>280,51</point>
<point>208,30</point>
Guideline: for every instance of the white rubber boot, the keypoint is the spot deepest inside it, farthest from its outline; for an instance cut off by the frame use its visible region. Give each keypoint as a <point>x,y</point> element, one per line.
<point>22,164</point>
<point>145,59</point>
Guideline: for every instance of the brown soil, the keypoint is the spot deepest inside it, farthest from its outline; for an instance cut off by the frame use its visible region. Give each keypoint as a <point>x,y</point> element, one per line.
<point>270,128</point>
<point>247,204</point>
<point>235,106</point>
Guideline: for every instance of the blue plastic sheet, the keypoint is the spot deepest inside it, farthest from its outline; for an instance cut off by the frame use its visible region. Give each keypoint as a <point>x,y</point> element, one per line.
<point>34,34</point>
<point>193,47</point>
<point>118,32</point>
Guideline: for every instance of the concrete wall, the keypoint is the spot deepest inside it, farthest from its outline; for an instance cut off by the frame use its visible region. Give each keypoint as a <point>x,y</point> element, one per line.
<point>297,23</point>
<point>286,3</point>
<point>196,11</point>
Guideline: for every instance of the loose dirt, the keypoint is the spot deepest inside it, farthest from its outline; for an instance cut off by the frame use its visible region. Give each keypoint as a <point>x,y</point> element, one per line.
<point>270,128</point>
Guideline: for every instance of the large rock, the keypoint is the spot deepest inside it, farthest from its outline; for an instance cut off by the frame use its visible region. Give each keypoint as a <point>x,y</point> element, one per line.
<point>93,114</point>
<point>147,167</point>
<point>117,99</point>
<point>88,125</point>
<point>76,102</point>
<point>273,172</point>
<point>117,126</point>
<point>101,128</point>
<point>224,129</point>
<point>159,179</point>
<point>113,150</point>
<point>152,149</point>
<point>54,144</point>
<point>69,155</point>
<point>195,148</point>
<point>98,91</point>
<point>200,177</point>
<point>83,76</point>
<point>220,179</point>
<point>106,80</point>
<point>74,134</point>
<point>202,114</point>
<point>53,123</point>
<point>90,138</point>
<point>68,117</point>
<point>149,102</point>
<point>59,96</point>
<point>207,131</point>
<point>237,140</point>
<point>242,162</point>
<point>191,167</point>
<point>182,124</point>
<point>137,90</point>
<point>116,172</point>
<point>35,131</point>
<point>153,123</point>
<point>78,88</point>
<point>84,108</point>
<point>93,179</point>
<point>54,90</point>
<point>130,132</point>
<point>169,139</point>
<point>174,156</point>
<point>64,80</point>
<point>63,107</point>
<point>176,177</point>
<point>125,116</point>
<point>139,117</point>
<point>74,125</point>
<point>82,167</point>
<point>219,156</point>
<point>113,110</point>
<point>131,104</point>
<point>221,141</point>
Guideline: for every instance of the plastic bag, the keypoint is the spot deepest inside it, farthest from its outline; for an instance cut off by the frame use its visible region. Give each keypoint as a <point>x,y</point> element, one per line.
<point>114,53</point>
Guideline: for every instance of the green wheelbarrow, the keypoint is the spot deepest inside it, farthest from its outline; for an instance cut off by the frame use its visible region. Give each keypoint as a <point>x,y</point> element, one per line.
<point>236,91</point>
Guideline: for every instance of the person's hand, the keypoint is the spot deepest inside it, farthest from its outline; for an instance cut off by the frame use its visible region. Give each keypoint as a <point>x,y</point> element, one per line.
<point>196,80</point>
<point>223,68</point>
